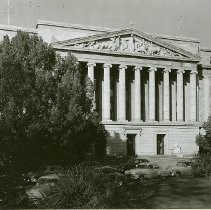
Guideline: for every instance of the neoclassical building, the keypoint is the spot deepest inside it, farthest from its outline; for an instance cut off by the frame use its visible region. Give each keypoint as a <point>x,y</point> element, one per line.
<point>151,91</point>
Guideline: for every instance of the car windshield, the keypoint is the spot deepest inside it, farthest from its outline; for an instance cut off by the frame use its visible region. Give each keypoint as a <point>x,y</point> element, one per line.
<point>182,164</point>
<point>143,166</point>
<point>138,161</point>
<point>156,167</point>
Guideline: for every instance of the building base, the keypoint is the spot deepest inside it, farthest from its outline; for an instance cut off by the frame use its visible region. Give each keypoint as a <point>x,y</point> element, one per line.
<point>151,138</point>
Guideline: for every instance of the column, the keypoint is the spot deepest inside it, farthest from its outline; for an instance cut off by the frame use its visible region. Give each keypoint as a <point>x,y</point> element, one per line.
<point>193,95</point>
<point>166,95</point>
<point>137,93</point>
<point>122,93</point>
<point>180,95</point>
<point>152,71</point>
<point>91,66</point>
<point>106,93</point>
<point>91,71</point>
<point>206,96</point>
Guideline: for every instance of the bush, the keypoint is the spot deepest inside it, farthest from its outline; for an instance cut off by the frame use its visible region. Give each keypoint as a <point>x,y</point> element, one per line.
<point>82,187</point>
<point>202,161</point>
<point>202,165</point>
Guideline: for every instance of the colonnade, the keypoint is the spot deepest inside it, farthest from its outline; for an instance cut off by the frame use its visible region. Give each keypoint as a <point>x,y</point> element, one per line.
<point>151,92</point>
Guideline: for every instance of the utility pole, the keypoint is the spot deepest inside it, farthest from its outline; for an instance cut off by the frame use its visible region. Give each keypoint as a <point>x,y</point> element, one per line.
<point>38,9</point>
<point>8,12</point>
<point>181,25</point>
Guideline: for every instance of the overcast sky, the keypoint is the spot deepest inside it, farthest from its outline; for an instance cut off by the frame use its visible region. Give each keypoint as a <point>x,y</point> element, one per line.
<point>191,18</point>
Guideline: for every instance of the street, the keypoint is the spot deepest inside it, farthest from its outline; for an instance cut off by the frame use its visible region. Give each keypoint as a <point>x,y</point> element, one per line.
<point>182,193</point>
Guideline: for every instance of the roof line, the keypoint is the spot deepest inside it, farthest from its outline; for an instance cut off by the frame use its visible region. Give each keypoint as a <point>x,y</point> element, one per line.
<point>76,26</point>
<point>104,29</point>
<point>16,28</point>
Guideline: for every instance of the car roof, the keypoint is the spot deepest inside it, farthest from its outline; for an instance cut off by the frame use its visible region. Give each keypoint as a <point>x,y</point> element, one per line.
<point>184,161</point>
<point>50,176</point>
<point>141,159</point>
<point>149,164</point>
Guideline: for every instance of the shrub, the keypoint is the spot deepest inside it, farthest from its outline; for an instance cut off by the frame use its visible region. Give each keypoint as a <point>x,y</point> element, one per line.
<point>82,187</point>
<point>202,165</point>
<point>202,161</point>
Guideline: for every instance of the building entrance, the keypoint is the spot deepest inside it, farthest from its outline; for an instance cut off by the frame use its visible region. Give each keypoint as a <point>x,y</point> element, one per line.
<point>131,144</point>
<point>160,144</point>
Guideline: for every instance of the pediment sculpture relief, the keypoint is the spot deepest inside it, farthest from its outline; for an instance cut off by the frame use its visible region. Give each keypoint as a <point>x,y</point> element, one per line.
<point>131,44</point>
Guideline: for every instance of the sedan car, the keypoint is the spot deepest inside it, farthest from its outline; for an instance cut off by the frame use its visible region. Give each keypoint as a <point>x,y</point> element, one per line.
<point>182,168</point>
<point>147,171</point>
<point>132,163</point>
<point>32,177</point>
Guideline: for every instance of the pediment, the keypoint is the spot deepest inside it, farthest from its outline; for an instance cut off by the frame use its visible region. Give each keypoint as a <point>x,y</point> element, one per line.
<point>129,41</point>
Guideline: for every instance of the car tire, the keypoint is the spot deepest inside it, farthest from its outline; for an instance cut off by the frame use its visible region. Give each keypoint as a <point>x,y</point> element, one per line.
<point>162,178</point>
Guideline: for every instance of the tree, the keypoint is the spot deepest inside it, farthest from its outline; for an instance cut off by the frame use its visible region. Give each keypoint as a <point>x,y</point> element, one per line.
<point>75,125</point>
<point>27,92</point>
<point>45,108</point>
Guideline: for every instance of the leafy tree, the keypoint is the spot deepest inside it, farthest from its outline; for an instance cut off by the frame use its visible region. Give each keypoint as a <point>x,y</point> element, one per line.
<point>74,124</point>
<point>45,104</point>
<point>27,92</point>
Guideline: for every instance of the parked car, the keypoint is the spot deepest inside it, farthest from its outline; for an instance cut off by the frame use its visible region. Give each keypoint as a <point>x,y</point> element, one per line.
<point>131,163</point>
<point>44,183</point>
<point>182,168</point>
<point>147,171</point>
<point>32,176</point>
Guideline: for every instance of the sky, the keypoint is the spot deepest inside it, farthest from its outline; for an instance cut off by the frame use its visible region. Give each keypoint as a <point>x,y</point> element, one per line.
<point>189,18</point>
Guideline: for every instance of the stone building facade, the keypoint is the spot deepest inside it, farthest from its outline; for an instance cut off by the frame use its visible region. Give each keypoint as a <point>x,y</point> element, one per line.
<point>151,91</point>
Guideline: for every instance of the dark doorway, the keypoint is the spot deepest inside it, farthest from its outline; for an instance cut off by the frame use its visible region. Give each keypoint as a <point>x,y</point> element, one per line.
<point>131,144</point>
<point>160,144</point>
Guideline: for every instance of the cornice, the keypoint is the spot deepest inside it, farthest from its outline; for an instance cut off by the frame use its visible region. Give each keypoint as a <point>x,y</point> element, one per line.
<point>208,67</point>
<point>157,124</point>
<point>175,38</point>
<point>205,49</point>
